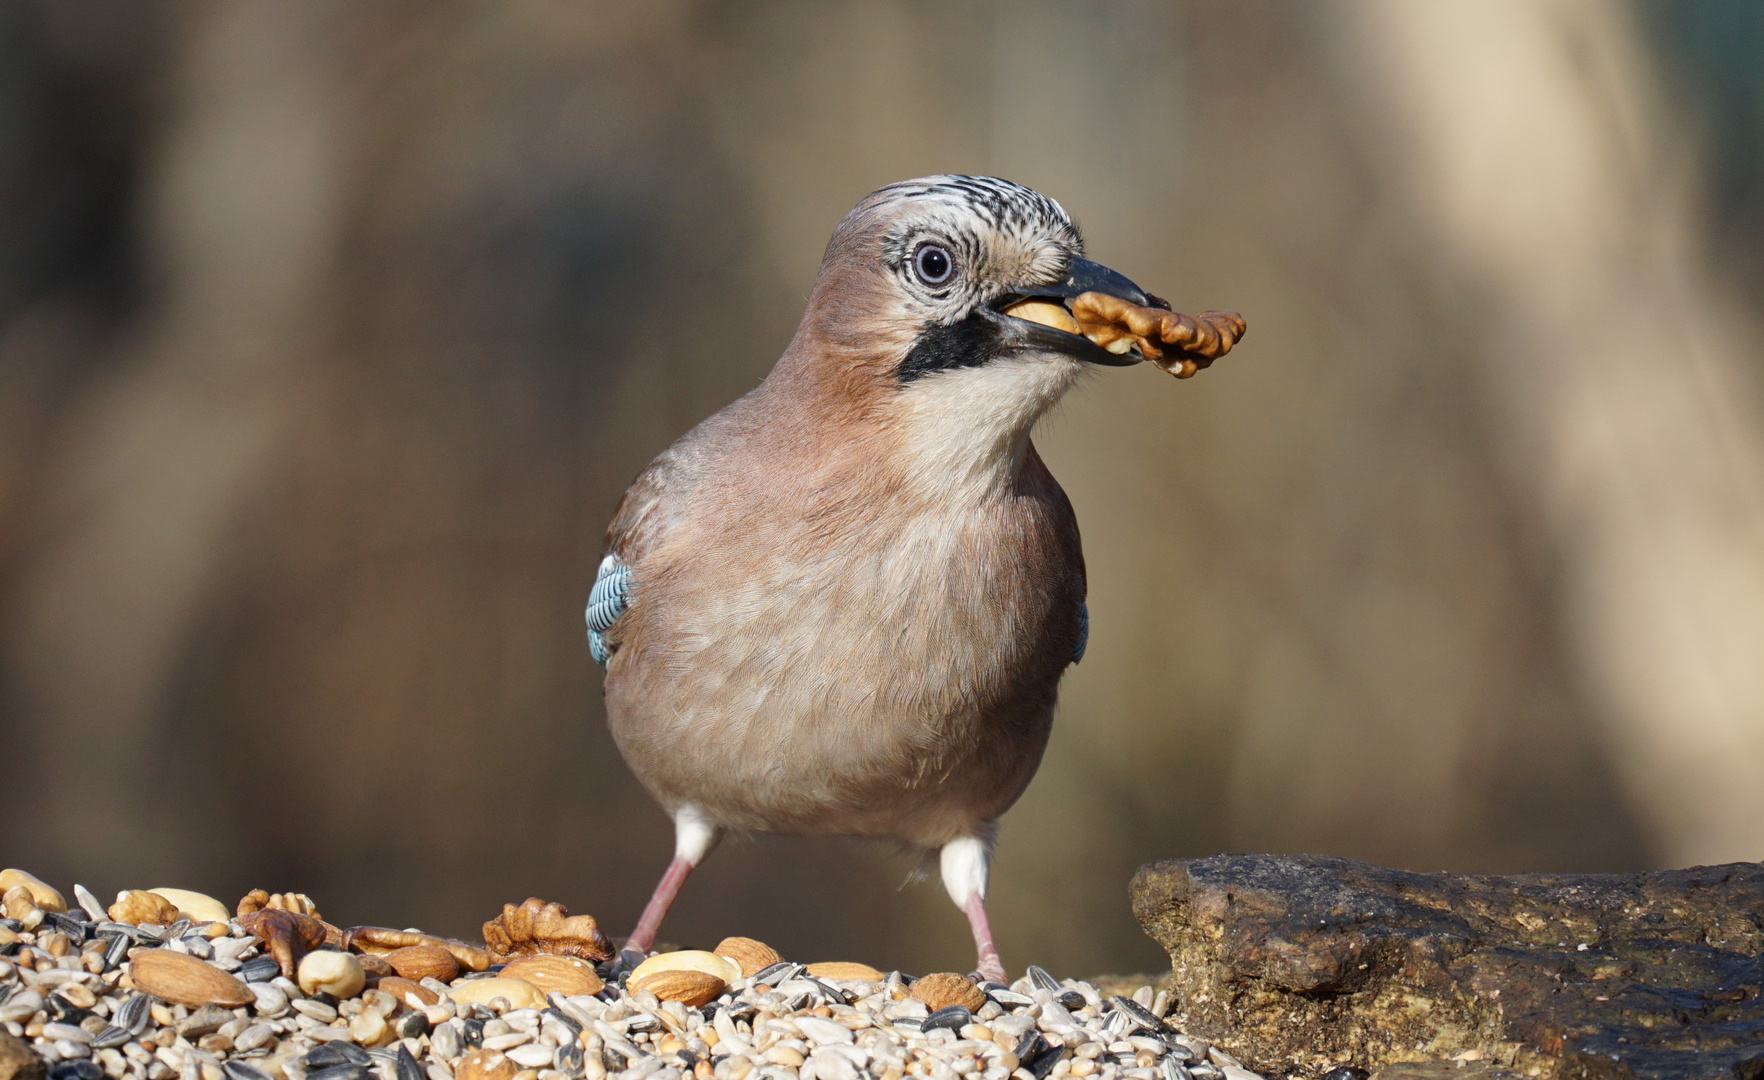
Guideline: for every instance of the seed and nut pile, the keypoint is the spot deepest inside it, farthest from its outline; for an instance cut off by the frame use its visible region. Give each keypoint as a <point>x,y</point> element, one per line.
<point>166,984</point>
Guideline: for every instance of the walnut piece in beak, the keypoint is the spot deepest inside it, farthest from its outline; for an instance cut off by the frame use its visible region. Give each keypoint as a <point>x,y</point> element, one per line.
<point>1118,325</point>
<point>1045,312</point>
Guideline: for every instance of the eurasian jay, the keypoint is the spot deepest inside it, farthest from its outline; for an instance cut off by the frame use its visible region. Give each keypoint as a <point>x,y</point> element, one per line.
<point>843,604</point>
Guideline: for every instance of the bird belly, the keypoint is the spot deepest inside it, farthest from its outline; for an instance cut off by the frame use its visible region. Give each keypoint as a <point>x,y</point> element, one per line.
<point>848,697</point>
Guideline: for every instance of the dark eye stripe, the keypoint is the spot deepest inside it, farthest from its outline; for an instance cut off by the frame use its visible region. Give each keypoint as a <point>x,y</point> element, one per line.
<point>967,343</point>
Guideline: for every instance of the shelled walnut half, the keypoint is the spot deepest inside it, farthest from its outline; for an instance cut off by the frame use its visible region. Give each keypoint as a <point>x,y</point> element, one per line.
<point>286,935</point>
<point>1180,344</point>
<point>538,927</point>
<point>259,899</point>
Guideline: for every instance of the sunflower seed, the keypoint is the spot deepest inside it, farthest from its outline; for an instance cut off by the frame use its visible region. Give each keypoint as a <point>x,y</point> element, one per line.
<point>782,971</point>
<point>335,1053</point>
<point>243,1070</point>
<point>1172,1070</point>
<point>953,1017</point>
<point>446,1040</point>
<point>110,1036</point>
<point>412,1025</point>
<point>90,903</point>
<point>260,969</point>
<point>21,1005</point>
<point>405,1067</point>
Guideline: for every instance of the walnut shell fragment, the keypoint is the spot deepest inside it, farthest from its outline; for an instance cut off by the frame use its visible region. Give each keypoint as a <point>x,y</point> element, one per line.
<point>258,899</point>
<point>539,927</point>
<point>383,941</point>
<point>286,935</point>
<point>1193,342</point>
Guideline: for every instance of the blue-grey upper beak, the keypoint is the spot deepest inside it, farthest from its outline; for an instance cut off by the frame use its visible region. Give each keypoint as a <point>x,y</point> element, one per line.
<point>1082,276</point>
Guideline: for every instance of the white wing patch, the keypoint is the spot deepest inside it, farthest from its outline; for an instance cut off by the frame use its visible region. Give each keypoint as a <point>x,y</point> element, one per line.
<point>606,602</point>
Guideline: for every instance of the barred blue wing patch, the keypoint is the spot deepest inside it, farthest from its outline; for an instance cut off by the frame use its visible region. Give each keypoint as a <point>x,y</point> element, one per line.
<point>606,602</point>
<point>1083,631</point>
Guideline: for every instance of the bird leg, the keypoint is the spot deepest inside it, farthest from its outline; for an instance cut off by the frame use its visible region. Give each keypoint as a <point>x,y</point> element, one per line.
<point>966,865</point>
<point>643,938</point>
<point>991,965</point>
<point>694,836</point>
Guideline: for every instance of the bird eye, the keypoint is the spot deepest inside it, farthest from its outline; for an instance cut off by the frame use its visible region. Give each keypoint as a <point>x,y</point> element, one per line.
<point>932,264</point>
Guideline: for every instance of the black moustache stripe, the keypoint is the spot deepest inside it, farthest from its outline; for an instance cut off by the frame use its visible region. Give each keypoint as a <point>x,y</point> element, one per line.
<point>971,342</point>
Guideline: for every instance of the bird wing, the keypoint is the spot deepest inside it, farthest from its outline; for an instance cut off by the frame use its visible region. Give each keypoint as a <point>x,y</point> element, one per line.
<point>606,602</point>
<point>649,510</point>
<point>1083,631</point>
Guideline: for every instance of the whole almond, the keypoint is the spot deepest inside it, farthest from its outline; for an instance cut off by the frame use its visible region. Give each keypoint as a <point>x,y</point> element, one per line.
<point>946,988</point>
<point>565,975</point>
<point>399,987</point>
<point>751,956</point>
<point>379,939</point>
<point>184,980</point>
<point>845,971</point>
<point>688,960</point>
<point>484,1064</point>
<point>416,962</point>
<point>140,906</point>
<point>689,988</point>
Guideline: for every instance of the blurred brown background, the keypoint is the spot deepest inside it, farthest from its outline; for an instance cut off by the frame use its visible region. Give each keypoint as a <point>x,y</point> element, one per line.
<point>331,332</point>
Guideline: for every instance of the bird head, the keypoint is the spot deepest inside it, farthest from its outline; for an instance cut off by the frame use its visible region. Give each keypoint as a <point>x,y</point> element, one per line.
<point>908,326</point>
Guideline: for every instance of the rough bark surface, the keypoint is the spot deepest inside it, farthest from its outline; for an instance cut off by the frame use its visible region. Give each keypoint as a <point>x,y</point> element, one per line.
<point>1298,963</point>
<point>17,1060</point>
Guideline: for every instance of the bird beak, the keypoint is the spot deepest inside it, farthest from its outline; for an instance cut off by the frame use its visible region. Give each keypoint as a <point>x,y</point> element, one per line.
<point>1038,318</point>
